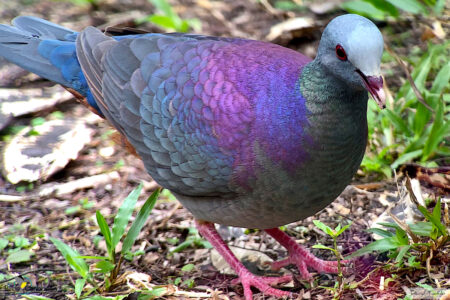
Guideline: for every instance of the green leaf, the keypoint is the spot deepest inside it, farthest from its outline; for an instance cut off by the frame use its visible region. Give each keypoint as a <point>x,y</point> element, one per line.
<point>164,7</point>
<point>435,223</point>
<point>421,228</point>
<point>72,257</point>
<point>320,246</point>
<point>204,244</point>
<point>35,297</point>
<point>19,256</point>
<point>182,26</point>
<point>381,232</point>
<point>380,246</point>
<point>364,8</point>
<point>426,286</point>
<point>439,6</point>
<point>99,297</point>
<point>341,230</point>
<point>163,21</point>
<point>104,266</point>
<point>94,257</point>
<point>155,293</point>
<point>401,237</point>
<point>188,268</point>
<point>441,80</point>
<point>288,6</point>
<point>124,215</point>
<point>37,121</point>
<point>3,243</point>
<point>385,7</point>
<point>438,131</point>
<point>324,228</point>
<point>398,122</point>
<point>406,157</point>
<point>139,221</point>
<point>421,117</point>
<point>79,285</point>
<point>402,252</point>
<point>104,229</point>
<point>420,73</point>
<point>182,246</point>
<point>72,210</point>
<point>389,224</point>
<point>21,242</point>
<point>167,194</point>
<point>412,261</point>
<point>435,217</point>
<point>412,6</point>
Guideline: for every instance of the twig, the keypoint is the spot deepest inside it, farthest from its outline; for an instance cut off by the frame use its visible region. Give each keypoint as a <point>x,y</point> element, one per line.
<point>410,79</point>
<point>404,226</point>
<point>30,271</point>
<point>168,216</point>
<point>367,276</point>
<point>429,258</point>
<point>64,188</point>
<point>268,7</point>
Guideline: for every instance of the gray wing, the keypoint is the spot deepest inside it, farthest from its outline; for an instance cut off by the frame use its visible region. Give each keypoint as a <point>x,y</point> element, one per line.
<point>144,87</point>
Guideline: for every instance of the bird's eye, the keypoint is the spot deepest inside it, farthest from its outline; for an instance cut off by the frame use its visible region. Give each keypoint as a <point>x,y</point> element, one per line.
<point>340,52</point>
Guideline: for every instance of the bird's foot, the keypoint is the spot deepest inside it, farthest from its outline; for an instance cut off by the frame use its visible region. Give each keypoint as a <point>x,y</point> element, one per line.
<point>247,279</point>
<point>301,257</point>
<point>263,284</point>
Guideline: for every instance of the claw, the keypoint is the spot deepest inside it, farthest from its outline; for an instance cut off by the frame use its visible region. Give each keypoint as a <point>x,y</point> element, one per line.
<point>302,258</point>
<point>245,277</point>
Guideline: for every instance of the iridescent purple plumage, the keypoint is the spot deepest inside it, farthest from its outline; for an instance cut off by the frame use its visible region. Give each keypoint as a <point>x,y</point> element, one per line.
<point>256,94</point>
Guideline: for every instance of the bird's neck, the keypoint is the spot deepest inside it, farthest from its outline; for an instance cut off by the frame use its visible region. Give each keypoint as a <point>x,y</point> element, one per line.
<point>337,123</point>
<point>324,91</point>
<point>336,112</point>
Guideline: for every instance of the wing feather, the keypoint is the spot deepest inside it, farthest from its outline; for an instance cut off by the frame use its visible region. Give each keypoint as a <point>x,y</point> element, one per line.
<point>145,86</point>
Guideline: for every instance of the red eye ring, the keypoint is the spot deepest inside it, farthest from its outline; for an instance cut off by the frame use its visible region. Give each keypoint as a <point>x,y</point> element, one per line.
<point>340,52</point>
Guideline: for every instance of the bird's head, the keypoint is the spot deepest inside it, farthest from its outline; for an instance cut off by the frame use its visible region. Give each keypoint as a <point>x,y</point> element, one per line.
<point>351,49</point>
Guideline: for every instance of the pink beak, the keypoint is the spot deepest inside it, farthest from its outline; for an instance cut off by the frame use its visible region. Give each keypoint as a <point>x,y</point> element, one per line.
<point>374,86</point>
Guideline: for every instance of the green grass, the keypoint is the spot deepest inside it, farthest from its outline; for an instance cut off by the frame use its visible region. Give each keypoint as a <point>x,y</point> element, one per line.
<point>107,268</point>
<point>415,126</point>
<point>384,9</point>
<point>168,19</point>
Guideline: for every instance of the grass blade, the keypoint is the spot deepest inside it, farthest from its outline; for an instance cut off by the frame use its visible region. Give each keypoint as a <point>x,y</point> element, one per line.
<point>403,158</point>
<point>364,8</point>
<point>123,215</point>
<point>139,221</point>
<point>398,122</point>
<point>412,6</point>
<point>441,80</point>
<point>72,257</point>
<point>380,245</point>
<point>104,229</point>
<point>438,131</point>
<point>79,285</point>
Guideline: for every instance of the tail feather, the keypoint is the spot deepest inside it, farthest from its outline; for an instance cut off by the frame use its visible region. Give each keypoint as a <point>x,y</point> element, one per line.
<point>42,28</point>
<point>43,48</point>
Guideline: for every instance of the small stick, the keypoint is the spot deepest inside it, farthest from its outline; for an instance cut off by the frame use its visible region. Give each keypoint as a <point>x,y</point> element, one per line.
<point>410,79</point>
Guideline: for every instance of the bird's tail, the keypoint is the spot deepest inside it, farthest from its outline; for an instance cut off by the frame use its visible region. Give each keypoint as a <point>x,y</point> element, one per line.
<point>45,49</point>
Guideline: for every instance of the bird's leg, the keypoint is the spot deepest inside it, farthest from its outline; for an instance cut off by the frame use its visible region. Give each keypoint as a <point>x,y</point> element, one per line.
<point>247,279</point>
<point>300,256</point>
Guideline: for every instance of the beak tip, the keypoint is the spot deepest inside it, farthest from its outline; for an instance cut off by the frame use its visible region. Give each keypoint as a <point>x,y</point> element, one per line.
<point>380,98</point>
<point>375,87</point>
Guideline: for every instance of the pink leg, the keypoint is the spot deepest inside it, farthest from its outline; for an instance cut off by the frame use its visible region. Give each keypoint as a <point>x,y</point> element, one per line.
<point>301,257</point>
<point>208,231</point>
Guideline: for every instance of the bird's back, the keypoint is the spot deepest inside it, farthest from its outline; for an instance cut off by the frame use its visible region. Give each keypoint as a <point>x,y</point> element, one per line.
<point>200,111</point>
